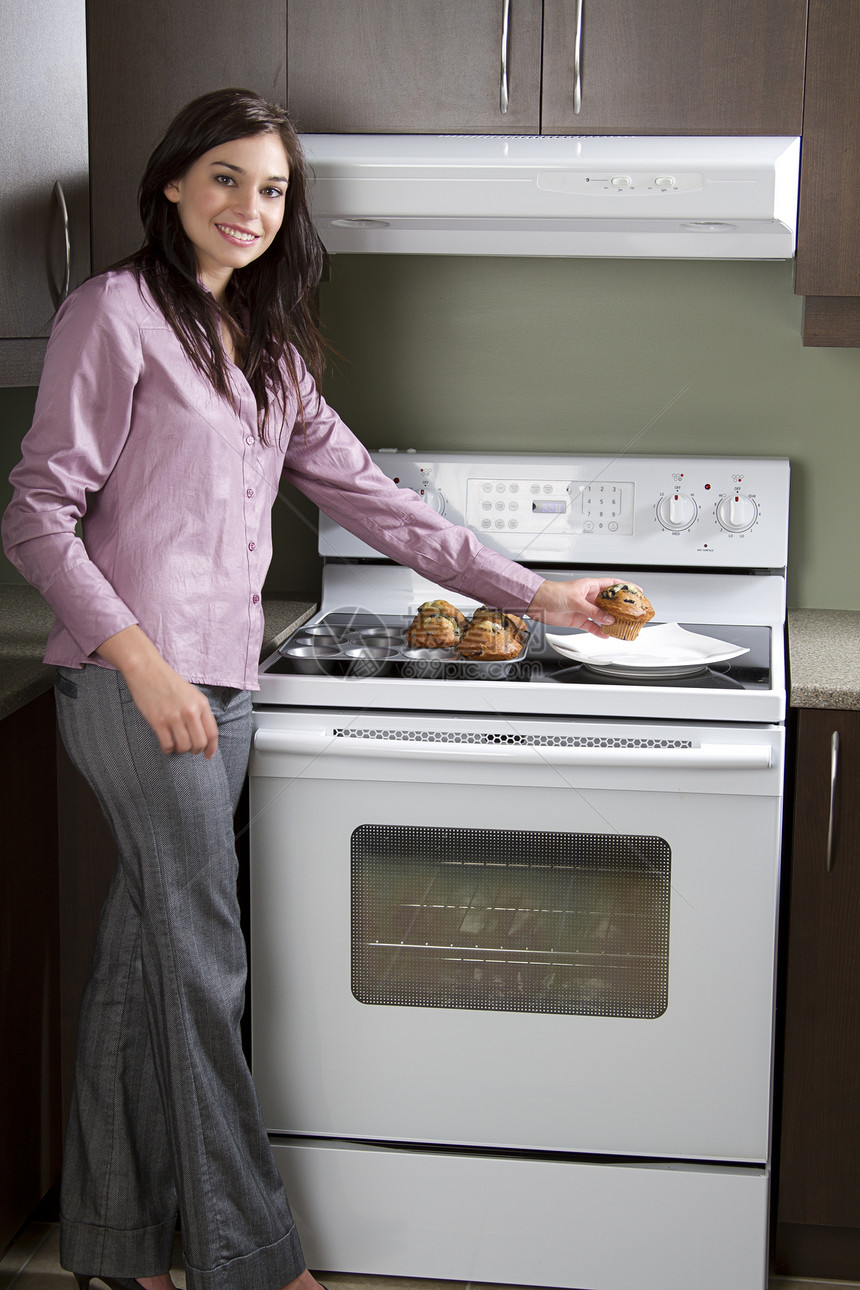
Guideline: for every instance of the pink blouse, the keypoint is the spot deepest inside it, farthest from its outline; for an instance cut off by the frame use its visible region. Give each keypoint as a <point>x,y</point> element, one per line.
<point>144,497</point>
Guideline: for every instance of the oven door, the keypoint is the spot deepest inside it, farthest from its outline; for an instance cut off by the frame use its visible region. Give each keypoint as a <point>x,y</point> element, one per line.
<point>533,934</point>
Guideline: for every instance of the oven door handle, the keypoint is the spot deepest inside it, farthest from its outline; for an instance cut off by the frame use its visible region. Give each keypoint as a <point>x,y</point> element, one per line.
<point>310,743</point>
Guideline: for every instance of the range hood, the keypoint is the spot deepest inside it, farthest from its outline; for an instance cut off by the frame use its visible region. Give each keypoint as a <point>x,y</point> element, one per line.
<point>642,198</point>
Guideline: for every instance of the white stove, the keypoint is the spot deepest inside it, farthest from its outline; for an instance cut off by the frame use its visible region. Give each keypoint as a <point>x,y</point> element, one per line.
<point>513,927</point>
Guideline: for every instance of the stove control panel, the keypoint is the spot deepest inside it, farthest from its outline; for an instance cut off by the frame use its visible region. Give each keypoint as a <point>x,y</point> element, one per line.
<point>533,506</point>
<point>718,511</point>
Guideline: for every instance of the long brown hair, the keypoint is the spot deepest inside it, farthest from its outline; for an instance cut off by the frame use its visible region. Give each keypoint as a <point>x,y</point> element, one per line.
<point>271,300</point>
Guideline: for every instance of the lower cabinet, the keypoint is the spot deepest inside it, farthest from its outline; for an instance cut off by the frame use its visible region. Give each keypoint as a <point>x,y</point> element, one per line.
<point>56,862</point>
<point>30,1106</point>
<point>818,1180</point>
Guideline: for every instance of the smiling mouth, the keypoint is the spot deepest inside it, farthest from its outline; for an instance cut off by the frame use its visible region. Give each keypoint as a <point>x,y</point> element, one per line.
<point>237,234</point>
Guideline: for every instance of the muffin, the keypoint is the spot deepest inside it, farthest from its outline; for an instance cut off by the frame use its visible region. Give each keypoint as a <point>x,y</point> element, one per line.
<point>437,625</point>
<point>511,623</point>
<point>489,641</point>
<point>630,608</point>
<point>446,609</point>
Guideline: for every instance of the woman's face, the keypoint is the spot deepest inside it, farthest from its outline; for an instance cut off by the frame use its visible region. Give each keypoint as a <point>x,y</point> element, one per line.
<point>231,204</point>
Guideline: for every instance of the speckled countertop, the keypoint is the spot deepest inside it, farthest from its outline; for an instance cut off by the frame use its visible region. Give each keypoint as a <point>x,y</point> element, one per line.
<point>25,621</point>
<point>824,658</point>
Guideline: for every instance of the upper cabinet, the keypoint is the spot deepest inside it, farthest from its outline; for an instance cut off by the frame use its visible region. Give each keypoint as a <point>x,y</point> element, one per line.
<point>828,239</point>
<point>145,62</point>
<point>673,67</point>
<point>413,67</point>
<point>44,209</point>
<point>561,67</point>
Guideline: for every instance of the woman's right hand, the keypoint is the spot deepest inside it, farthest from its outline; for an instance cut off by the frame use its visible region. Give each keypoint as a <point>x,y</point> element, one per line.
<point>176,711</point>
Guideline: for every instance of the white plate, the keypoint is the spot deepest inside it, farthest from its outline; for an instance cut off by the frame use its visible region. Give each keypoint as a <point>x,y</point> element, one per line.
<point>663,645</point>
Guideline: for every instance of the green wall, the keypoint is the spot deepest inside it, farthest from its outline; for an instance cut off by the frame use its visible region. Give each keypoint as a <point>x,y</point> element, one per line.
<point>608,356</point>
<point>605,356</point>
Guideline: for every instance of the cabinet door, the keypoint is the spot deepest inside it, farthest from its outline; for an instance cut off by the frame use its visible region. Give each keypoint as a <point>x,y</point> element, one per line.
<point>145,62</point>
<point>828,235</point>
<point>414,66</point>
<point>30,1102</point>
<point>673,67</point>
<point>44,99</point>
<point>819,1178</point>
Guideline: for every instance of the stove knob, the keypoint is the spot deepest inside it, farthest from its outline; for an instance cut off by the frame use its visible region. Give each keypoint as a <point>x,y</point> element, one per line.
<point>677,511</point>
<point>736,512</point>
<point>434,500</point>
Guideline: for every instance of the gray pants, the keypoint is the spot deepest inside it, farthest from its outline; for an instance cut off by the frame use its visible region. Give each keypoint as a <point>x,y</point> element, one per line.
<point>164,1116</point>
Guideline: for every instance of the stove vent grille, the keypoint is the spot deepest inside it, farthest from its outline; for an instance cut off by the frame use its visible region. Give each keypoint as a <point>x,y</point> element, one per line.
<point>501,738</point>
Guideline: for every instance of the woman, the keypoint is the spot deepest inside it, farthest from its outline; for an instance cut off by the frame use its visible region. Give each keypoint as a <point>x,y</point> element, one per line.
<point>173,398</point>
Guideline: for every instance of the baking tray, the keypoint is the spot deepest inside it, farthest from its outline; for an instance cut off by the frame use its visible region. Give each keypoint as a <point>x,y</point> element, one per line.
<point>334,648</point>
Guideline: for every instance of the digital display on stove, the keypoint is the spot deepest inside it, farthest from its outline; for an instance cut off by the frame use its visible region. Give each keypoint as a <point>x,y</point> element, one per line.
<point>549,508</point>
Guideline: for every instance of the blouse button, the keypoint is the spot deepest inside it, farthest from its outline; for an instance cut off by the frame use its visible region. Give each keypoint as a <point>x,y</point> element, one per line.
<point>255,599</point>
<point>251,546</point>
<point>250,440</point>
<point>250,492</point>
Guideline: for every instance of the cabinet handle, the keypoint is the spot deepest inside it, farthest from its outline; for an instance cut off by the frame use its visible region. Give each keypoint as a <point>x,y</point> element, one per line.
<point>67,241</point>
<point>577,60</point>
<point>506,40</point>
<point>834,774</point>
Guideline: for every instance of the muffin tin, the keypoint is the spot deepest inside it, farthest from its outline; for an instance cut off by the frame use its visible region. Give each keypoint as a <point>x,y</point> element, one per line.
<point>353,649</point>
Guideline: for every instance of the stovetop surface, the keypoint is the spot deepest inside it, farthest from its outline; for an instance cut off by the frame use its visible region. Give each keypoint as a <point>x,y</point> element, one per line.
<point>364,645</point>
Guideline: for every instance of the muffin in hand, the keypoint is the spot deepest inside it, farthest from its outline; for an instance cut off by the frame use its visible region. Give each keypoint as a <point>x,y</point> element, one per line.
<point>630,608</point>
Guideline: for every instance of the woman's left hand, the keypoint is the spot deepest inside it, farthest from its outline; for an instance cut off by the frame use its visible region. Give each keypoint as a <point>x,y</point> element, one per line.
<point>571,604</point>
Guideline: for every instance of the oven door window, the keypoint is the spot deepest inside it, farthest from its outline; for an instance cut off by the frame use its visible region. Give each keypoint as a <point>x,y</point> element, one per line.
<point>511,921</point>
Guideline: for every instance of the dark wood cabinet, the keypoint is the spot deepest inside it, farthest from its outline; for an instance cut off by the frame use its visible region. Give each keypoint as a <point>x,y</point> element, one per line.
<point>30,1107</point>
<point>828,241</point>
<point>44,209</point>
<point>145,61</point>
<point>672,67</point>
<point>408,66</point>
<point>58,857</point>
<point>818,1189</point>
<point>668,67</point>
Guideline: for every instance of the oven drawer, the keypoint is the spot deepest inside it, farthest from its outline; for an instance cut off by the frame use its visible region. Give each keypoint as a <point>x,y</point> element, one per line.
<point>531,935</point>
<point>501,1220</point>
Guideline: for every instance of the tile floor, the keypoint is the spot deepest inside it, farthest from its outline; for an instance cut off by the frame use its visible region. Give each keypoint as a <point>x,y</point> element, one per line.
<point>32,1263</point>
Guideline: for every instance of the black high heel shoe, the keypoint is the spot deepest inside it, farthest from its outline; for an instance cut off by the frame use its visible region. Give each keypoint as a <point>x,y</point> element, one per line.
<point>113,1283</point>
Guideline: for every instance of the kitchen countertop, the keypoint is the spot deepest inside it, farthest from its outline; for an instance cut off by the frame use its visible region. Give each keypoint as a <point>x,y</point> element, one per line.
<point>25,621</point>
<point>823,648</point>
<point>824,658</point>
